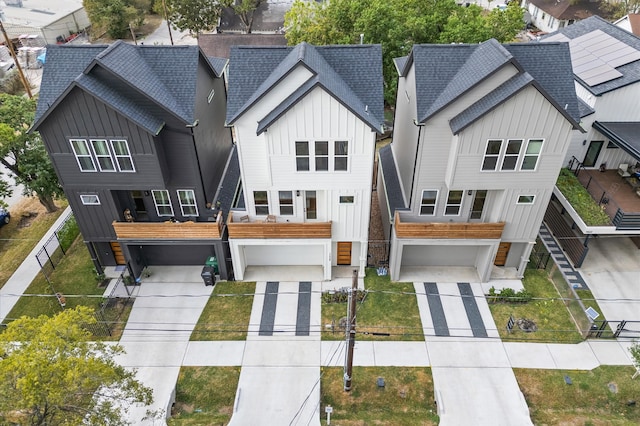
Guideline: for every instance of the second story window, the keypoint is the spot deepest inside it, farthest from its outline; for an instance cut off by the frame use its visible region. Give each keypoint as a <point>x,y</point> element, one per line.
<point>123,156</point>
<point>491,154</point>
<point>428,202</point>
<point>163,202</point>
<point>261,202</point>
<point>187,200</point>
<point>322,156</point>
<point>101,151</point>
<point>83,155</point>
<point>109,155</point>
<point>531,155</point>
<point>302,156</point>
<point>340,156</point>
<point>511,154</point>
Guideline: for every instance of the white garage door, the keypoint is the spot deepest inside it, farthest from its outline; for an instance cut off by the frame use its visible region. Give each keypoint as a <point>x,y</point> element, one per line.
<point>439,255</point>
<point>283,255</point>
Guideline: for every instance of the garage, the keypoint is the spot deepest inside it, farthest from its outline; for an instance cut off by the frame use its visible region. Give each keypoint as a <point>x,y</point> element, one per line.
<point>440,255</point>
<point>294,255</point>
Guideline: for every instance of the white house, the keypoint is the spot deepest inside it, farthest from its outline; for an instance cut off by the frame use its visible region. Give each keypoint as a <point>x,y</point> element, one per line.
<point>551,15</point>
<point>305,121</point>
<point>480,134</point>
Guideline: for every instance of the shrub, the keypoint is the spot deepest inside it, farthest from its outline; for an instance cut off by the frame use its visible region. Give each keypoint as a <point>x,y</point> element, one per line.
<point>509,295</point>
<point>341,295</point>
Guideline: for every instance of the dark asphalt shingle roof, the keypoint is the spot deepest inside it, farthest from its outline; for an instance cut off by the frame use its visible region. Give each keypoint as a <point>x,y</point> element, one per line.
<point>229,185</point>
<point>624,134</point>
<point>630,72</point>
<point>219,45</point>
<point>395,200</point>
<point>138,81</point>
<point>351,74</point>
<point>585,109</point>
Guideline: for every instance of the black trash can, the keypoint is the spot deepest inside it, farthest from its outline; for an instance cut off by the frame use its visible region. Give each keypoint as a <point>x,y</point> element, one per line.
<point>208,275</point>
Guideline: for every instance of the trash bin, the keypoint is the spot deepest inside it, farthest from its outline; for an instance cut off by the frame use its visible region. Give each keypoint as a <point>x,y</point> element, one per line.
<point>213,262</point>
<point>208,275</point>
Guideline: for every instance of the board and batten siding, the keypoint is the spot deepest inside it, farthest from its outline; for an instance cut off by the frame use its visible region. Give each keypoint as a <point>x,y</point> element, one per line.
<point>94,221</point>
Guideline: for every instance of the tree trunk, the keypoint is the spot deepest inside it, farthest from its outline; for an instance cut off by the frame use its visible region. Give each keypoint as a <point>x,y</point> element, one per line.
<point>48,203</point>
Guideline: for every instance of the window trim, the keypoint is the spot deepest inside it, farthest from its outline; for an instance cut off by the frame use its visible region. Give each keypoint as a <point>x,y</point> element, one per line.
<point>434,205</point>
<point>99,156</point>
<point>347,199</point>
<point>155,202</point>
<point>487,155</point>
<point>506,155</point>
<point>84,198</point>
<point>344,156</point>
<point>449,204</point>
<point>211,95</point>
<point>256,205</point>
<point>88,155</point>
<point>520,201</point>
<point>183,205</point>
<point>324,157</point>
<point>306,156</point>
<point>537,155</point>
<point>118,156</point>
<point>280,204</point>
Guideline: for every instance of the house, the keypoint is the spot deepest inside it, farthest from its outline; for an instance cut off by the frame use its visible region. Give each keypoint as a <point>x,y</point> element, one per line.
<point>480,134</point>
<point>136,135</point>
<point>305,121</point>
<point>606,68</point>
<point>630,23</point>
<point>551,15</point>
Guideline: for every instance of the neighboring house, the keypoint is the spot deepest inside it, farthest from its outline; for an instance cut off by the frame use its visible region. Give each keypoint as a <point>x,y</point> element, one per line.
<point>551,15</point>
<point>480,134</point>
<point>606,67</point>
<point>219,45</point>
<point>137,137</point>
<point>305,121</point>
<point>630,23</point>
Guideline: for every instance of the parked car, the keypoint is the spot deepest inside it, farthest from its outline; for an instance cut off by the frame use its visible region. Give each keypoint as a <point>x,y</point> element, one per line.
<point>5,216</point>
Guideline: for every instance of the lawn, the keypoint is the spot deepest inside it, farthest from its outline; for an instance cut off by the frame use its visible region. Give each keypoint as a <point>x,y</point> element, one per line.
<point>205,396</point>
<point>546,309</point>
<point>389,309</point>
<point>29,222</point>
<point>226,315</point>
<point>406,399</point>
<point>597,397</point>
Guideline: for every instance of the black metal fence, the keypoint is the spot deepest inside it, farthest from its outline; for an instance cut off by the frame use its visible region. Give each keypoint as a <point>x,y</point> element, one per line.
<point>113,308</point>
<point>55,248</point>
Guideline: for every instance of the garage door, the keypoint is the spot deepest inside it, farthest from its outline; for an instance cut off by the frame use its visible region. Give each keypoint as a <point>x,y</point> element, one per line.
<point>177,255</point>
<point>283,255</point>
<point>439,255</point>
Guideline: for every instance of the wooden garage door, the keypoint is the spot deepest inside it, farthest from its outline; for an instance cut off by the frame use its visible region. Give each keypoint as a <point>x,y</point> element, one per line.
<point>503,252</point>
<point>117,253</point>
<point>344,253</point>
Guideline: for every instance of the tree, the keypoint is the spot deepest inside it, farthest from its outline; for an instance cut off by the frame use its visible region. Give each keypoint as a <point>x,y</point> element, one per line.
<point>397,25</point>
<point>52,374</point>
<point>23,153</point>
<point>634,350</point>
<point>196,16</point>
<point>116,16</point>
<point>244,9</point>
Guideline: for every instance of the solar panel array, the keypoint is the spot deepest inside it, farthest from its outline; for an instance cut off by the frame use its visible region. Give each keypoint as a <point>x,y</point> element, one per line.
<point>596,55</point>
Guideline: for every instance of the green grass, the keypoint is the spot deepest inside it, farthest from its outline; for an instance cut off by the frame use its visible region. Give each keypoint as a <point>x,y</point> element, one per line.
<point>590,212</point>
<point>205,396</point>
<point>226,315</point>
<point>588,401</point>
<point>549,313</point>
<point>407,398</point>
<point>388,308</point>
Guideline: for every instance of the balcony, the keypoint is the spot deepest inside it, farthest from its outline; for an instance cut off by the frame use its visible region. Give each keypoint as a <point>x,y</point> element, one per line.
<point>448,230</point>
<point>240,227</point>
<point>169,230</point>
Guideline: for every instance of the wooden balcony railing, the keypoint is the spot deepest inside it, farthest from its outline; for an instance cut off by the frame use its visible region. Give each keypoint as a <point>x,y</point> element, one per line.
<point>448,230</point>
<point>169,230</point>
<point>278,229</point>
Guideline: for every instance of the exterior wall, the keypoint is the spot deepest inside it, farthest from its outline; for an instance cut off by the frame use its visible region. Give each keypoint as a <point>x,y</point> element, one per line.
<point>542,20</point>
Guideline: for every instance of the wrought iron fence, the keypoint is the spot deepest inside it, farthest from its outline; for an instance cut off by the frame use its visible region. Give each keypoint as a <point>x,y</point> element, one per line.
<point>55,248</point>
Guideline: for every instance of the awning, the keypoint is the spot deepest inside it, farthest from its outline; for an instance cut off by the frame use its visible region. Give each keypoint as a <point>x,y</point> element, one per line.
<point>626,135</point>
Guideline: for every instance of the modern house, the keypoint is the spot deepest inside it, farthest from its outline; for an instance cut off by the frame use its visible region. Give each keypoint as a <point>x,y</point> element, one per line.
<point>305,121</point>
<point>606,68</point>
<point>551,15</point>
<point>136,135</point>
<point>480,134</point>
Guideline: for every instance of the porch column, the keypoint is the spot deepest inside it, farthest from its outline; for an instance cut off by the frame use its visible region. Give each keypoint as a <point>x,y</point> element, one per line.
<point>524,259</point>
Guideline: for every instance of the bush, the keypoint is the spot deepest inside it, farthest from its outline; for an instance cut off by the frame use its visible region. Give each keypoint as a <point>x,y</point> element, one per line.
<point>11,83</point>
<point>341,296</point>
<point>68,233</point>
<point>509,295</point>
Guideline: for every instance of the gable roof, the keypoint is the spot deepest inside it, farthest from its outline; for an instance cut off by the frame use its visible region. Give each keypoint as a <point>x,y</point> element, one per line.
<point>352,74</point>
<point>630,72</point>
<point>140,82</point>
<point>443,73</point>
<point>565,10</point>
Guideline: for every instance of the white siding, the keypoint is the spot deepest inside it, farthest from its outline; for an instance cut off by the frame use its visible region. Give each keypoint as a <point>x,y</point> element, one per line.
<point>405,132</point>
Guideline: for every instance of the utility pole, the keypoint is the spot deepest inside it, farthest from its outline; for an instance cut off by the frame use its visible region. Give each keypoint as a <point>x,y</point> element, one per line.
<point>351,332</point>
<point>25,83</point>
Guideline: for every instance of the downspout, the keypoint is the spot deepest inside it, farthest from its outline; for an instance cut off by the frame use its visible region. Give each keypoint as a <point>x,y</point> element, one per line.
<point>415,160</point>
<point>195,148</point>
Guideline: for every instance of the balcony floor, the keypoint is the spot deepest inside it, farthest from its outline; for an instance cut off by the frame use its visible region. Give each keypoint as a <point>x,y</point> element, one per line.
<point>618,190</point>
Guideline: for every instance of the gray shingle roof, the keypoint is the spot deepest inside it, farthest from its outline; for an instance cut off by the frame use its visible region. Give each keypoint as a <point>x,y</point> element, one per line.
<point>352,74</point>
<point>395,200</point>
<point>625,135</point>
<point>138,81</point>
<point>585,109</point>
<point>630,72</point>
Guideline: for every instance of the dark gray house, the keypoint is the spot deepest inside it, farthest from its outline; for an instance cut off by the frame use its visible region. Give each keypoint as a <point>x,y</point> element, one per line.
<point>137,137</point>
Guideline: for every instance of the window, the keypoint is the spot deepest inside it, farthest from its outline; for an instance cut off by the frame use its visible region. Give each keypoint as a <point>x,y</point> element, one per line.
<point>346,199</point>
<point>102,154</point>
<point>286,202</point>
<point>322,156</point>
<point>90,200</point>
<point>211,94</point>
<point>454,203</point>
<point>526,199</point>
<point>261,202</point>
<point>302,156</point>
<point>83,155</point>
<point>340,157</point>
<point>123,156</point>
<point>428,202</point>
<point>187,200</point>
<point>491,154</point>
<point>163,202</point>
<point>534,147</point>
<point>510,159</point>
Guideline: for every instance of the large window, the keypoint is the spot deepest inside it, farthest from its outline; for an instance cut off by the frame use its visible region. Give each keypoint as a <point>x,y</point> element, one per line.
<point>428,202</point>
<point>187,200</point>
<point>511,154</point>
<point>531,155</point>
<point>103,156</point>
<point>302,156</point>
<point>491,154</point>
<point>341,156</point>
<point>322,156</point>
<point>454,203</point>
<point>286,202</point>
<point>163,202</point>
<point>261,202</point>
<point>123,156</point>
<point>83,155</point>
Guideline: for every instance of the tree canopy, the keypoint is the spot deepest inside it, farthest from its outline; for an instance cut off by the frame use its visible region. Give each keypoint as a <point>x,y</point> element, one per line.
<point>24,153</point>
<point>52,374</point>
<point>195,16</point>
<point>397,25</point>
<point>116,16</point>
<point>244,9</point>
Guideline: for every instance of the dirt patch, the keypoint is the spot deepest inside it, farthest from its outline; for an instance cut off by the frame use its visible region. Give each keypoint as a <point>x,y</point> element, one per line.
<point>26,219</point>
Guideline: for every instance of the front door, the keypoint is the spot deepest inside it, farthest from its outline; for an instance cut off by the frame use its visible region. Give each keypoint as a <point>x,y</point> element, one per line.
<point>310,208</point>
<point>141,209</point>
<point>478,205</point>
<point>501,255</point>
<point>344,253</point>
<point>591,156</point>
